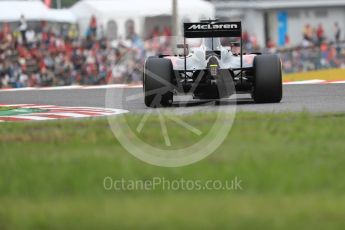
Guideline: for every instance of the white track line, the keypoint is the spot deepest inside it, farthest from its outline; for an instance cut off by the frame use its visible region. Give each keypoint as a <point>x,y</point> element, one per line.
<point>18,105</point>
<point>337,82</point>
<point>60,87</point>
<point>113,86</point>
<point>106,86</point>
<point>18,89</point>
<point>34,118</point>
<point>316,81</point>
<point>38,107</point>
<point>106,111</point>
<point>71,115</point>
<point>59,112</point>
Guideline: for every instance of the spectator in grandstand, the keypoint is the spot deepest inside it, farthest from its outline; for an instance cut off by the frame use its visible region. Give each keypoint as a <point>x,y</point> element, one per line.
<point>93,27</point>
<point>287,41</point>
<point>73,32</point>
<point>271,46</point>
<point>245,37</point>
<point>337,37</point>
<point>308,33</point>
<point>155,33</point>
<point>23,26</point>
<point>5,30</point>
<point>254,42</point>
<point>167,31</point>
<point>250,42</point>
<point>320,34</point>
<point>337,32</point>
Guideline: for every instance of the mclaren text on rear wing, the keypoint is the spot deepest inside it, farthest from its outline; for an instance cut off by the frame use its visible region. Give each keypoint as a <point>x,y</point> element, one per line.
<point>213,29</point>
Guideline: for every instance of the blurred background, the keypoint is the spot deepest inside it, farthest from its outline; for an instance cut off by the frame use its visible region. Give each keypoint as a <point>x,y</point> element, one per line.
<point>92,42</point>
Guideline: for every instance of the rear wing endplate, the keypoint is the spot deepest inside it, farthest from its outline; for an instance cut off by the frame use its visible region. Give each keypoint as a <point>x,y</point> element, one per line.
<point>212,29</point>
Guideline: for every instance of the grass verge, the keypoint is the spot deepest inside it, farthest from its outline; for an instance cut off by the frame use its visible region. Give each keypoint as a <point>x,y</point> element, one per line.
<point>291,166</point>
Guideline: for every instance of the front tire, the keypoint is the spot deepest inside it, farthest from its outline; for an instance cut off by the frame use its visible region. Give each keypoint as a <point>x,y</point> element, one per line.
<point>268,85</point>
<point>158,88</point>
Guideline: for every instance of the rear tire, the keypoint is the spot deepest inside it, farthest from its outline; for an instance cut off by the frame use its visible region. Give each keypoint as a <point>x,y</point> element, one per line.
<point>268,86</point>
<point>157,78</point>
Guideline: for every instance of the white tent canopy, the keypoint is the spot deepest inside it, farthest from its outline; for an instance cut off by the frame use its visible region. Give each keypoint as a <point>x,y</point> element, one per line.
<point>120,11</point>
<point>34,10</point>
<point>63,15</point>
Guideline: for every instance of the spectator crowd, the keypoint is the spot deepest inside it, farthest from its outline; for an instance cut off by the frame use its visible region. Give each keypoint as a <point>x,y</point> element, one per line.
<point>46,57</point>
<point>317,51</point>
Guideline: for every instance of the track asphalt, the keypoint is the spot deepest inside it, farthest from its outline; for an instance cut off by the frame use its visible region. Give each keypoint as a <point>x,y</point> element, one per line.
<point>315,98</point>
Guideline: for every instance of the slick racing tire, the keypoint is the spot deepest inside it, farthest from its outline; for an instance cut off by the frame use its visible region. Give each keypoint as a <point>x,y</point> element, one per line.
<point>268,86</point>
<point>157,78</point>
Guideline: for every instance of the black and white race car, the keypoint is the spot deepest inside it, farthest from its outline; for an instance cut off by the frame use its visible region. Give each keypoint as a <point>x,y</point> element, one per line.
<point>212,71</point>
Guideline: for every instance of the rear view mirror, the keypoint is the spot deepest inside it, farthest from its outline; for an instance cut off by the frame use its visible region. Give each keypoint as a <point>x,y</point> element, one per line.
<point>182,46</point>
<point>184,51</point>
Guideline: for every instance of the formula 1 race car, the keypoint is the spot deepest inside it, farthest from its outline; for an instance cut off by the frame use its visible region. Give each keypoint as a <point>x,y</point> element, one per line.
<point>212,71</point>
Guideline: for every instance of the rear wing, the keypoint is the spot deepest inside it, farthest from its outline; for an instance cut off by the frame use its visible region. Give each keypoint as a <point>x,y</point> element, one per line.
<point>212,29</point>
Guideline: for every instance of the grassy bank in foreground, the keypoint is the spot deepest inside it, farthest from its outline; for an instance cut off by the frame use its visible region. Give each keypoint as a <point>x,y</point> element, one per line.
<point>328,75</point>
<point>291,166</point>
